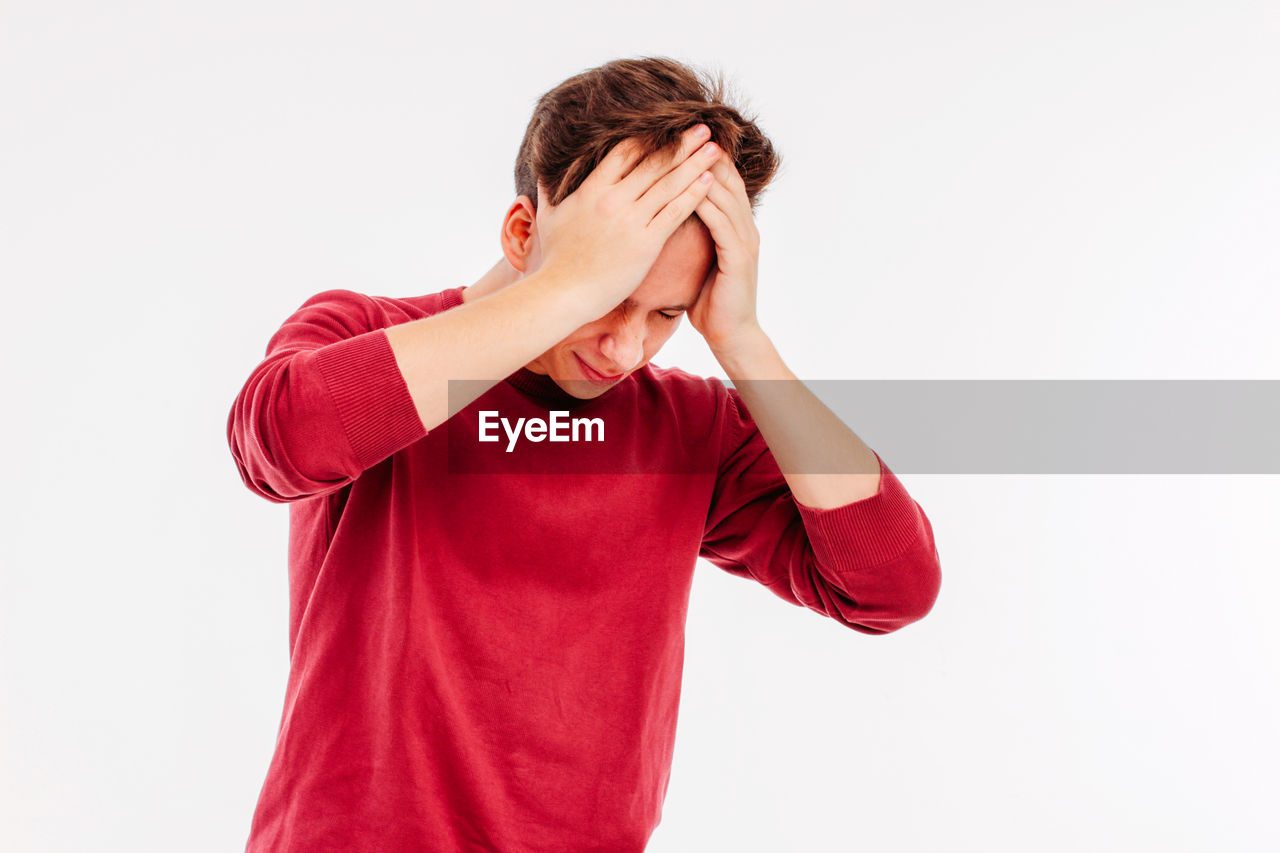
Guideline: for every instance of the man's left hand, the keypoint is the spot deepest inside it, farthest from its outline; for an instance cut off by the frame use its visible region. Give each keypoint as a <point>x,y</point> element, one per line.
<point>725,313</point>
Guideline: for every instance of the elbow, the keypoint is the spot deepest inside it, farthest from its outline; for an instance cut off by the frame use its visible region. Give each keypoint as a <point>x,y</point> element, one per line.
<point>261,477</point>
<point>926,584</point>
<point>911,596</point>
<point>919,581</point>
<point>261,483</point>
<point>920,592</point>
<point>280,437</point>
<point>263,468</point>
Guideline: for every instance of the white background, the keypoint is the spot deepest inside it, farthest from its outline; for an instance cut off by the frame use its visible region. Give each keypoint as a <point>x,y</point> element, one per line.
<point>978,190</point>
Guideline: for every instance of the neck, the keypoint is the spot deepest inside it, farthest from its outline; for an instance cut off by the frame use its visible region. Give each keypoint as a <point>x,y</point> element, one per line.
<point>499,276</point>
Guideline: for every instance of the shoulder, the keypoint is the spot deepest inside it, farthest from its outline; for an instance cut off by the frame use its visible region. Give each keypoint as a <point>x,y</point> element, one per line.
<point>339,313</point>
<point>364,311</point>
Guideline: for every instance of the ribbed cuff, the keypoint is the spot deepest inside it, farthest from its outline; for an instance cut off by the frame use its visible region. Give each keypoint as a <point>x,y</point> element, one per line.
<point>867,532</point>
<point>371,396</point>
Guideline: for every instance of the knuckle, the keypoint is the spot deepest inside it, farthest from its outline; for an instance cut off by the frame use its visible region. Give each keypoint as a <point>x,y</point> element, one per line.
<point>674,213</point>
<point>641,170</point>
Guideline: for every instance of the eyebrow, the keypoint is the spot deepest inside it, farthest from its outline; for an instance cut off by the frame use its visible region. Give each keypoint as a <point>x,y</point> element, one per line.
<point>631,303</point>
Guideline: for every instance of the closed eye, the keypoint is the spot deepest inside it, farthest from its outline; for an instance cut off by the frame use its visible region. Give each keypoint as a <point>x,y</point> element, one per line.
<point>669,316</point>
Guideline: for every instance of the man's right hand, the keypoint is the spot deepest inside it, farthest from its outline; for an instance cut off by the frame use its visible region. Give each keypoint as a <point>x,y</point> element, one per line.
<point>604,237</point>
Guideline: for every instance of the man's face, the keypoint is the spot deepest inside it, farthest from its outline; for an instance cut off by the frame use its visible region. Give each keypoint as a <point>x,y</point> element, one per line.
<point>624,340</point>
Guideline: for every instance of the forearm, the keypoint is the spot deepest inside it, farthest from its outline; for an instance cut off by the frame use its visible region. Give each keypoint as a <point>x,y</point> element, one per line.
<point>808,440</point>
<point>484,341</point>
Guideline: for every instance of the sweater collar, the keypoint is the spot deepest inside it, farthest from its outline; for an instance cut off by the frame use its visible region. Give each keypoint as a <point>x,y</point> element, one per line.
<point>543,388</point>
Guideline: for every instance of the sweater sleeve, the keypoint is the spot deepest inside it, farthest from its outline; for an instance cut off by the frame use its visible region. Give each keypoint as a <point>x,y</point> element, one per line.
<point>871,565</point>
<point>326,403</point>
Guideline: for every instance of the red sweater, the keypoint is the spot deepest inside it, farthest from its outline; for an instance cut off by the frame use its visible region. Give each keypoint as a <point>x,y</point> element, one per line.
<point>488,657</point>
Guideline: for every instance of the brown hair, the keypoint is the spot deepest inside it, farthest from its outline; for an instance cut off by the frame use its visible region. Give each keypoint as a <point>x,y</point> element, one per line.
<point>654,99</point>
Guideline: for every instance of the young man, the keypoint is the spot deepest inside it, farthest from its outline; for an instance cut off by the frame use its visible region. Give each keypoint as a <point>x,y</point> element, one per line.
<point>487,624</point>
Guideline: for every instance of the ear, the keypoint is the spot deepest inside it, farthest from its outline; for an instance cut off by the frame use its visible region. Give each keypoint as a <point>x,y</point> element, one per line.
<point>518,233</point>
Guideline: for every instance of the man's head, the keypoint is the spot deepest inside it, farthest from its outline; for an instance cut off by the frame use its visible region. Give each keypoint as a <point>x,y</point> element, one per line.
<point>652,100</point>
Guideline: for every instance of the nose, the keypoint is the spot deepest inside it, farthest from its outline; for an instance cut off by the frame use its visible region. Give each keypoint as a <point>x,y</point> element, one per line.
<point>623,342</point>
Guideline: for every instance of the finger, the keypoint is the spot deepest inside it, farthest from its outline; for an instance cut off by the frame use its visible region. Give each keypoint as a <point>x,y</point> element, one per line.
<point>732,178</point>
<point>674,182</point>
<point>717,222</point>
<point>734,246</point>
<point>659,163</point>
<point>730,193</point>
<point>669,217</point>
<point>615,163</point>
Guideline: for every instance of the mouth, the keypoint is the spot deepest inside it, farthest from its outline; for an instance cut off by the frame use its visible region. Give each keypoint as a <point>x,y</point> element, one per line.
<point>594,375</point>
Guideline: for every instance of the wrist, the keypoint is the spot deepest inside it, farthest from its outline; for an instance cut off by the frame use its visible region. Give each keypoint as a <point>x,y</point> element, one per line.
<point>748,352</point>
<point>582,293</point>
<point>573,298</point>
<point>742,340</point>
